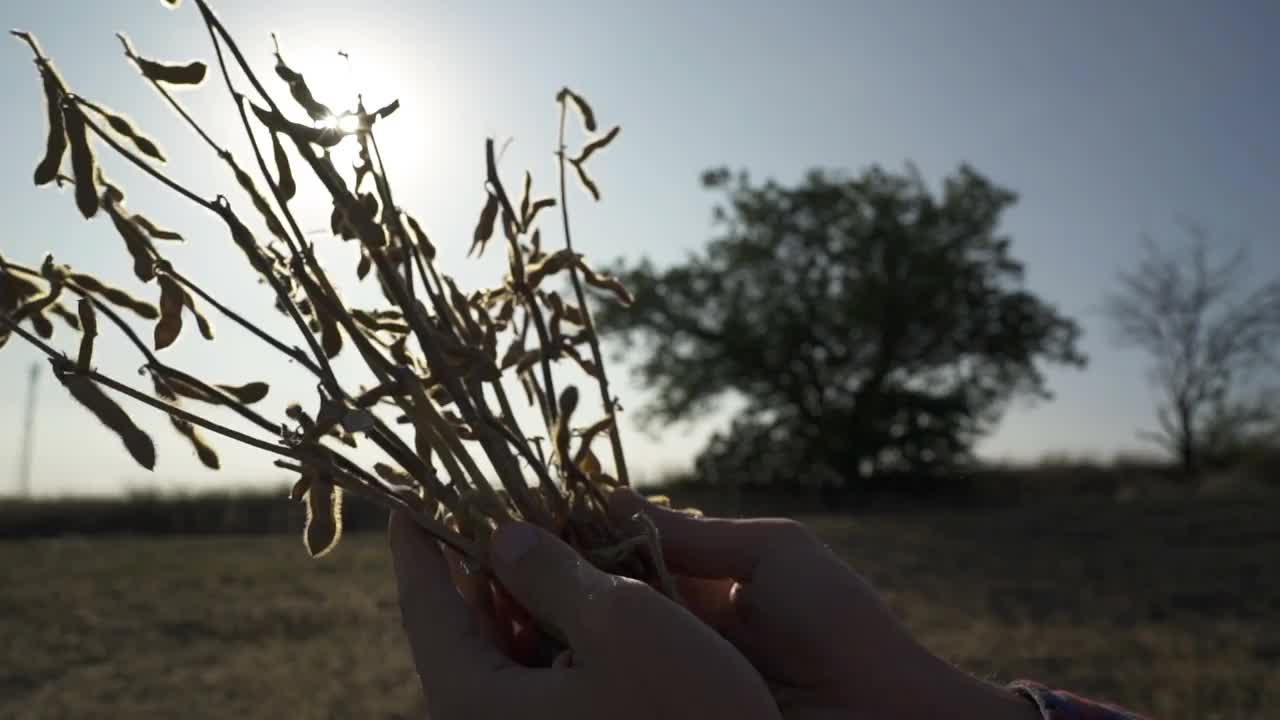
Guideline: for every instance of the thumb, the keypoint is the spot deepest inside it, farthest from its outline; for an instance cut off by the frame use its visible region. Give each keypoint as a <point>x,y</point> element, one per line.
<point>548,578</point>
<point>715,547</point>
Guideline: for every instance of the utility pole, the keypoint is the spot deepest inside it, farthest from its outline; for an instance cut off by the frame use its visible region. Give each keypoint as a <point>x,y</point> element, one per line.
<point>28,433</point>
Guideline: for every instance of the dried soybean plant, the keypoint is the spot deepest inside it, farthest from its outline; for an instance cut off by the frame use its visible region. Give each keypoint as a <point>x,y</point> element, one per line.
<point>439,355</point>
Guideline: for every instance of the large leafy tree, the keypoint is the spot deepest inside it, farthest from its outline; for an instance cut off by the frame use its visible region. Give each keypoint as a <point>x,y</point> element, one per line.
<point>867,324</point>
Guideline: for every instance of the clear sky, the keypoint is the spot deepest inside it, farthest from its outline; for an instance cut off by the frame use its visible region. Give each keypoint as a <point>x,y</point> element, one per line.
<point>1109,118</point>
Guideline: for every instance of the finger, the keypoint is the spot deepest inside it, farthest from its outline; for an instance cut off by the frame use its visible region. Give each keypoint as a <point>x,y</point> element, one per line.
<point>476,589</point>
<point>714,547</point>
<point>530,694</point>
<point>445,635</point>
<point>708,599</point>
<point>551,580</point>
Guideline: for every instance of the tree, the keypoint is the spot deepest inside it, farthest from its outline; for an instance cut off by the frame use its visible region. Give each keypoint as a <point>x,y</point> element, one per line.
<point>1210,343</point>
<point>868,325</point>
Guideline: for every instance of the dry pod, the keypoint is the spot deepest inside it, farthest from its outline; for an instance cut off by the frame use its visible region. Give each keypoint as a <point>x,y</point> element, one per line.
<point>88,330</point>
<point>484,226</point>
<point>285,182</point>
<point>598,143</point>
<point>205,452</point>
<point>190,73</point>
<point>324,516</point>
<point>121,125</point>
<point>83,165</point>
<point>246,394</point>
<point>56,144</point>
<point>171,302</point>
<point>584,110</point>
<point>87,392</point>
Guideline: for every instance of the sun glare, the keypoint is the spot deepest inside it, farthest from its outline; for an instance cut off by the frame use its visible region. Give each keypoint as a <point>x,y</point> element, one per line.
<point>347,123</point>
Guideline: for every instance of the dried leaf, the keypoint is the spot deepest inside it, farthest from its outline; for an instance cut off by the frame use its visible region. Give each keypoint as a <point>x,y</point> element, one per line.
<point>14,289</point>
<point>171,304</point>
<point>298,88</point>
<point>243,238</point>
<point>41,324</point>
<point>286,184</point>
<point>208,457</point>
<point>153,230</point>
<point>322,136</point>
<point>484,227</point>
<point>536,207</point>
<point>246,394</point>
<point>83,165</point>
<point>115,296</point>
<point>560,431</point>
<point>191,73</point>
<point>324,516</point>
<point>137,442</point>
<point>162,388</point>
<point>421,239</point>
<point>587,183</point>
<point>568,402</point>
<point>387,109</point>
<point>606,282</point>
<point>588,463</point>
<point>556,262</point>
<point>122,126</point>
<point>584,110</point>
<point>589,435</point>
<point>330,335</point>
<point>176,384</point>
<point>300,487</point>
<point>588,366</point>
<point>392,475</point>
<point>56,144</point>
<point>135,239</point>
<point>589,149</point>
<point>525,198</point>
<point>259,204</point>
<point>202,322</point>
<point>70,318</point>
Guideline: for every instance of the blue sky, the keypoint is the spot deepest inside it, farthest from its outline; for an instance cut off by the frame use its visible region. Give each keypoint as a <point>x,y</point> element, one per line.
<point>1110,120</point>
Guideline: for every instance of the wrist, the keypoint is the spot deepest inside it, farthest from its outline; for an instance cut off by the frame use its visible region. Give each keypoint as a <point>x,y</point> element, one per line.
<point>956,695</point>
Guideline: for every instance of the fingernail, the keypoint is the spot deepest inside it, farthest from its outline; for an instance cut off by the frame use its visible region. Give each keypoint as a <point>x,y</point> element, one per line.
<point>513,541</point>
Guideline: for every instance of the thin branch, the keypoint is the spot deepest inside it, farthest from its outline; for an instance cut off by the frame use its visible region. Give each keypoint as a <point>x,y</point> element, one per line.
<point>62,365</point>
<point>615,436</point>
<point>129,155</point>
<point>173,103</point>
<point>294,353</point>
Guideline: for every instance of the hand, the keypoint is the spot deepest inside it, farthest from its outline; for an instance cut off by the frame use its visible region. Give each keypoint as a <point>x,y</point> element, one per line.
<point>818,633</point>
<point>635,654</point>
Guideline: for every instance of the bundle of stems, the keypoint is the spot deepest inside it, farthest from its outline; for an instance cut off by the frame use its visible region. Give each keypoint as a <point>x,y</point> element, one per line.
<point>439,355</point>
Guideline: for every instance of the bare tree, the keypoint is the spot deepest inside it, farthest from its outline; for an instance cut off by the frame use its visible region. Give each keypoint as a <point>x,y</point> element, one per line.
<point>1213,343</point>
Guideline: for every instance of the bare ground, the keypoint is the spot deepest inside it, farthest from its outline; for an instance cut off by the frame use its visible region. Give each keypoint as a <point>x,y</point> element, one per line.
<point>1172,609</point>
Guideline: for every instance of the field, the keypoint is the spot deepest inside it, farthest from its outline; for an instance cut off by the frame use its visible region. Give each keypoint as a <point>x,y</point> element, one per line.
<point>1172,608</point>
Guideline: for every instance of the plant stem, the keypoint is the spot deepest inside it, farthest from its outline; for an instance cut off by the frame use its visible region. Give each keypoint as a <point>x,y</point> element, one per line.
<point>62,365</point>
<point>615,437</point>
<point>128,51</point>
<point>139,162</point>
<point>294,353</point>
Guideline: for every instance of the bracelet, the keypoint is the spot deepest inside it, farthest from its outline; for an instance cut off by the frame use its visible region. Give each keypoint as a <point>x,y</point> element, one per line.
<point>1062,705</point>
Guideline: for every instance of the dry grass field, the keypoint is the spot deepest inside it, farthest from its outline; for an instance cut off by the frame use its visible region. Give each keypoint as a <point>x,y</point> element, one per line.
<point>1172,608</point>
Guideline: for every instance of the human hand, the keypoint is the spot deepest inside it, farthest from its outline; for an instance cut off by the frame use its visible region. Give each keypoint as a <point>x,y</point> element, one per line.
<point>816,630</point>
<point>635,654</point>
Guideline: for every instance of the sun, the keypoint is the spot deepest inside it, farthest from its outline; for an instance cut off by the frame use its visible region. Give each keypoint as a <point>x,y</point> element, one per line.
<point>347,123</point>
